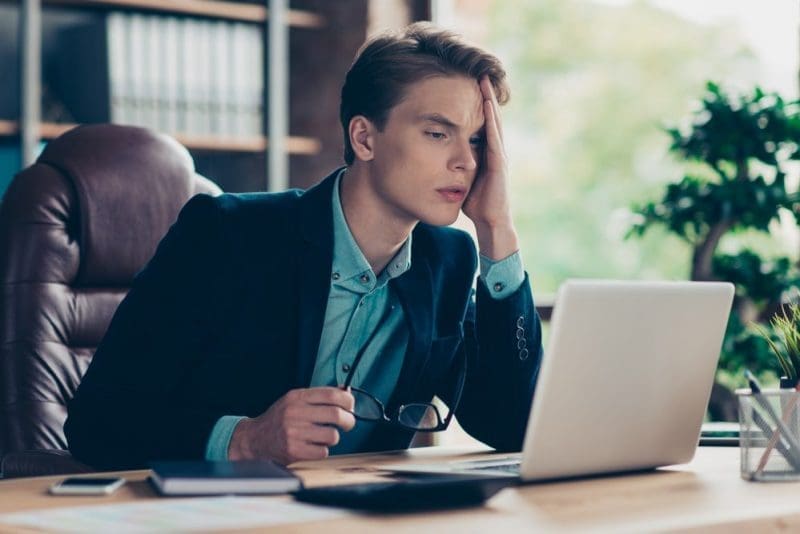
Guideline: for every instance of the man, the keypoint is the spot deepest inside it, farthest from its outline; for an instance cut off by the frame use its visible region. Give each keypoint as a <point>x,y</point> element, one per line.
<point>265,323</point>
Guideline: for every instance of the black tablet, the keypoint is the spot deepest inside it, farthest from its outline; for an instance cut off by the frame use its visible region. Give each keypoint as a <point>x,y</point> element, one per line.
<point>423,493</point>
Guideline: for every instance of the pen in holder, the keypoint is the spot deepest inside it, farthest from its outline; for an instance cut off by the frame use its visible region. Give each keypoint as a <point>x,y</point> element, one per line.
<point>770,434</point>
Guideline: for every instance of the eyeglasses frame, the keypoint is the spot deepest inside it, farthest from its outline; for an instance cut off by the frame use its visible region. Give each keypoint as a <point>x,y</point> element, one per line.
<point>442,425</point>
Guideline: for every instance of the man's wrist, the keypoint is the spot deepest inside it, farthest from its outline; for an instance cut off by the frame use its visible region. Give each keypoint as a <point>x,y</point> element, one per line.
<point>239,446</point>
<point>497,241</point>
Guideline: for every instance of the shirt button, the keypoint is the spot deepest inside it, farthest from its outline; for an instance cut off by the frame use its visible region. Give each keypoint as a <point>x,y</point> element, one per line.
<point>499,286</point>
<point>364,278</point>
<point>335,276</point>
<point>346,367</point>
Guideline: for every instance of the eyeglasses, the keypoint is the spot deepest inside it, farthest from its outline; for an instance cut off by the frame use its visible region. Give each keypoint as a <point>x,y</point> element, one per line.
<point>418,416</point>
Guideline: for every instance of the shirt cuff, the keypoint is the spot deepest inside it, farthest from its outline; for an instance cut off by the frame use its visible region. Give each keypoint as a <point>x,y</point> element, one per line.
<point>503,277</point>
<point>220,438</point>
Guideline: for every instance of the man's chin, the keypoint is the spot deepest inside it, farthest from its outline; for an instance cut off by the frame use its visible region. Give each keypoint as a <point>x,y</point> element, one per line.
<point>440,219</point>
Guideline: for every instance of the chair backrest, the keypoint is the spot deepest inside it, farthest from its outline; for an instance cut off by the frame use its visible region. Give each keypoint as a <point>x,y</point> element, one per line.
<point>75,228</point>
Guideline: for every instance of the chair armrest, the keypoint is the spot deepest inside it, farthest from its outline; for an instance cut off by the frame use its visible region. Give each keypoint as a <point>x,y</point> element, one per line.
<point>40,463</point>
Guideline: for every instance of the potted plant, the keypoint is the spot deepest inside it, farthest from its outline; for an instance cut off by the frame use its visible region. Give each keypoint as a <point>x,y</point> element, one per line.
<point>784,342</point>
<point>737,150</point>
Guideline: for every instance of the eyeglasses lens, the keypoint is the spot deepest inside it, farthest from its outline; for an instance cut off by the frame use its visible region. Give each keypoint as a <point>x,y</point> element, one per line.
<point>421,416</point>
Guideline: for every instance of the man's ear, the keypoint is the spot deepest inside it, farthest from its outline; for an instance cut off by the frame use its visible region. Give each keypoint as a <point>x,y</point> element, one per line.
<point>362,134</point>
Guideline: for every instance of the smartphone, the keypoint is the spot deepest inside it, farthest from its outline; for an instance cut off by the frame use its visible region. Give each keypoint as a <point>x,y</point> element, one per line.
<point>86,486</point>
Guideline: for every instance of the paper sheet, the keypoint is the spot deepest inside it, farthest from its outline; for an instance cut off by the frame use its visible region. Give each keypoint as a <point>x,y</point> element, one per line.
<point>207,513</point>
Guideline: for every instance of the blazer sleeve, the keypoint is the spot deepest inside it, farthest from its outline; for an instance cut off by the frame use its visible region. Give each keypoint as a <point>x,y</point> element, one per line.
<point>503,345</point>
<point>123,413</point>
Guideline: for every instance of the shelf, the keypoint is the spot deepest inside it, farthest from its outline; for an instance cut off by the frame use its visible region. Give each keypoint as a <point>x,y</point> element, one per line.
<point>8,128</point>
<point>51,130</point>
<point>206,8</point>
<point>294,144</point>
<point>307,146</point>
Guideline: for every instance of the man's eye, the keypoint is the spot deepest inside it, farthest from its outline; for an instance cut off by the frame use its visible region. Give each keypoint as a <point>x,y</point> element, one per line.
<point>436,135</point>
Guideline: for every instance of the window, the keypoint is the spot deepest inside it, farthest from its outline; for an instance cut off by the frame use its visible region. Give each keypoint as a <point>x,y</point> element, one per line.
<point>593,82</point>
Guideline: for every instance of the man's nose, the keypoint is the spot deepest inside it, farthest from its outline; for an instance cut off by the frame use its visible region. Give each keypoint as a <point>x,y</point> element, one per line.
<point>466,158</point>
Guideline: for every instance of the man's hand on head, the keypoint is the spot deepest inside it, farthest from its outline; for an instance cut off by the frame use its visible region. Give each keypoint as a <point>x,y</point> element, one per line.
<point>487,204</point>
<point>301,425</point>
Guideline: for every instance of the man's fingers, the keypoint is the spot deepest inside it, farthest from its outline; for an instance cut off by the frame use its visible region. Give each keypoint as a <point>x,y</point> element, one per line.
<point>498,118</point>
<point>331,396</point>
<point>300,451</point>
<point>488,93</point>
<point>330,415</point>
<point>493,139</point>
<point>321,435</point>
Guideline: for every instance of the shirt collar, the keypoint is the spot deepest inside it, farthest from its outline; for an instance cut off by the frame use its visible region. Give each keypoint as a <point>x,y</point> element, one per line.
<point>348,260</point>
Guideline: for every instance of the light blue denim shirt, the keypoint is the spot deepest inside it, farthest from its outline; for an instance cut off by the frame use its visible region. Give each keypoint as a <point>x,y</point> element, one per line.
<point>357,301</point>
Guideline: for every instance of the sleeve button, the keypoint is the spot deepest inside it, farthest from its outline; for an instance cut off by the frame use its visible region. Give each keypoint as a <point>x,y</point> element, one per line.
<point>523,354</point>
<point>499,286</point>
<point>520,321</point>
<point>520,333</point>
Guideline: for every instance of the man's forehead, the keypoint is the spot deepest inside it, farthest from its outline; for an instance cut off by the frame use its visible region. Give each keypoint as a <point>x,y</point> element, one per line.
<point>450,101</point>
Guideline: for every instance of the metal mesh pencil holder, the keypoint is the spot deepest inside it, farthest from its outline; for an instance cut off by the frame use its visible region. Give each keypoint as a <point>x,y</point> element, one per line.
<point>769,438</point>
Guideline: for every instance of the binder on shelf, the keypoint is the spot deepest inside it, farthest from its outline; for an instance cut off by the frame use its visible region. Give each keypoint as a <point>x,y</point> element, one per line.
<point>255,82</point>
<point>220,80</point>
<point>191,76</point>
<point>116,39</point>
<point>81,81</point>
<point>137,68</point>
<point>179,75</point>
<point>9,62</point>
<point>239,63</point>
<point>181,90</point>
<point>205,79</point>
<point>152,51</point>
<point>170,74</point>
<point>229,70</point>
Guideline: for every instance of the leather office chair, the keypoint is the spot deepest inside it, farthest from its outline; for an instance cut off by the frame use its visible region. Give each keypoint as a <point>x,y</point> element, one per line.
<point>75,228</point>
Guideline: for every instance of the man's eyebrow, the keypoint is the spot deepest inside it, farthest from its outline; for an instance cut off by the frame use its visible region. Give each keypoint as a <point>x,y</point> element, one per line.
<point>444,121</point>
<point>438,118</point>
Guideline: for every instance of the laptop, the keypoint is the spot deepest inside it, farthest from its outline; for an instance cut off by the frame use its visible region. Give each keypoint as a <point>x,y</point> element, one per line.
<point>624,382</point>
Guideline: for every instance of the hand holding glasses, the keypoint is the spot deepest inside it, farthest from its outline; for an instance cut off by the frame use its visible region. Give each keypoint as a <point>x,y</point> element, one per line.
<point>418,416</point>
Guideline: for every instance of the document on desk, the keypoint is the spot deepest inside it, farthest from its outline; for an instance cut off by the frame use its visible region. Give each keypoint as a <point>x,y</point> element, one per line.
<point>195,514</point>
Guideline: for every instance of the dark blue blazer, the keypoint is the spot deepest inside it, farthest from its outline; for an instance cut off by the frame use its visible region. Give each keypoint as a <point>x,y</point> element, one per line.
<point>227,315</point>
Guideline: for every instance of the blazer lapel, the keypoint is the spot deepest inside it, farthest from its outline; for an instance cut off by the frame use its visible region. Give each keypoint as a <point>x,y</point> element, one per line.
<point>415,289</point>
<point>314,260</point>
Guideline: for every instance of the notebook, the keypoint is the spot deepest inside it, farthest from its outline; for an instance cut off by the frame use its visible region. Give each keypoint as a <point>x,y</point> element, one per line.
<point>624,382</point>
<point>214,478</point>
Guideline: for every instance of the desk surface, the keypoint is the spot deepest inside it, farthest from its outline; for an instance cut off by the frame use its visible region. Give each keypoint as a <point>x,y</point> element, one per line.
<point>706,494</point>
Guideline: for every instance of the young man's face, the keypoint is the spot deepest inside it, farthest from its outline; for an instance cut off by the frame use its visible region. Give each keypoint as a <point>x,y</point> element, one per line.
<point>427,156</point>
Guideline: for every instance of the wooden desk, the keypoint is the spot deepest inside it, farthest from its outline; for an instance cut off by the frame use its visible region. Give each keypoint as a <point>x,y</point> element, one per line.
<point>706,494</point>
